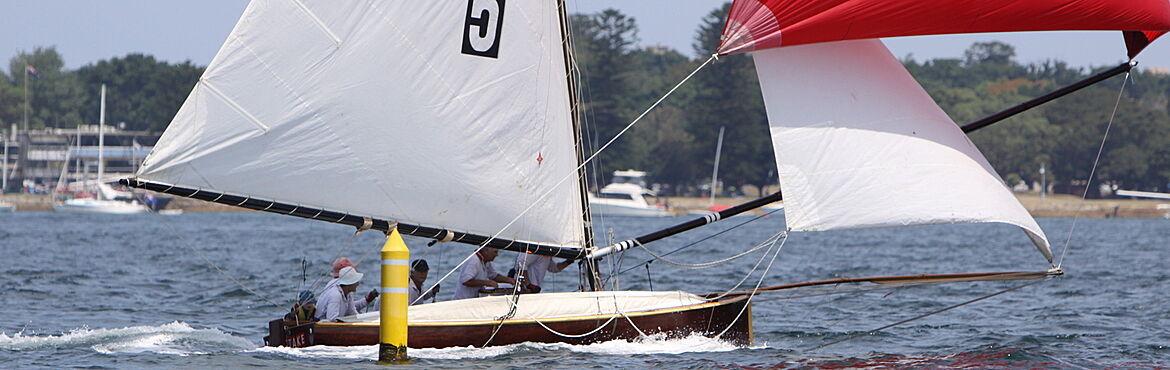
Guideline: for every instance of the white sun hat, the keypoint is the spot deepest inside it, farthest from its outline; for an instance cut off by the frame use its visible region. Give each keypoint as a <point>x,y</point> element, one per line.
<point>348,276</point>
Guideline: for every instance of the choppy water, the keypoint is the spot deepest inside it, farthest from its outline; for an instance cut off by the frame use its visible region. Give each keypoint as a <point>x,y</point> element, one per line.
<point>129,291</point>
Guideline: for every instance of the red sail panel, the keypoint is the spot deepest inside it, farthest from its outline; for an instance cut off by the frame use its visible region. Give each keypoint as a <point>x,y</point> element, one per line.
<point>761,24</point>
<point>1135,41</point>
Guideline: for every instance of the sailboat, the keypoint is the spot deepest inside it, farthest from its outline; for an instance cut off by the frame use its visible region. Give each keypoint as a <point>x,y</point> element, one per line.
<point>106,199</point>
<point>457,121</point>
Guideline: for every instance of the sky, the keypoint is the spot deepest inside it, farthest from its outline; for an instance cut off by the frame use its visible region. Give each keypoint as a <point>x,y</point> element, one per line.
<point>86,31</point>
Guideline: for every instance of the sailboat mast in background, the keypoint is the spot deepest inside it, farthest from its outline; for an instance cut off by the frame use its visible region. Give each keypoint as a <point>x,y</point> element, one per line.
<point>715,168</point>
<point>101,165</point>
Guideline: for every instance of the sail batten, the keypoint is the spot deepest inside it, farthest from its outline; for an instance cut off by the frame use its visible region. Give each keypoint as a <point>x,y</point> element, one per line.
<point>431,113</point>
<point>859,144</point>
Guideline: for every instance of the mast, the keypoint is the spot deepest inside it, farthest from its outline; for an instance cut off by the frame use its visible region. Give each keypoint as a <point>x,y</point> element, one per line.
<point>77,168</point>
<point>101,142</point>
<point>589,266</point>
<point>715,169</point>
<point>4,171</point>
<point>26,105</point>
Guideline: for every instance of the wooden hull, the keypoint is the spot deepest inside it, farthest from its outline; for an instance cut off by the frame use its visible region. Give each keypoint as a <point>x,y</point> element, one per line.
<point>708,319</point>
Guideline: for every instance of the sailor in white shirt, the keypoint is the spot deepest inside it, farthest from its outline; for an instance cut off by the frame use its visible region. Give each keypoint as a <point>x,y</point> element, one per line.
<point>418,275</point>
<point>533,267</point>
<point>478,273</point>
<point>337,300</point>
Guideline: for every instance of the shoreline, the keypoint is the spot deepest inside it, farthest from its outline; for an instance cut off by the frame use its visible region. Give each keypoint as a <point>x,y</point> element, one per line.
<point>1055,205</point>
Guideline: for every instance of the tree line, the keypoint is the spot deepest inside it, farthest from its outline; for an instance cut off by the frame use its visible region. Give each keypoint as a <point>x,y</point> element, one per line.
<point>676,141</point>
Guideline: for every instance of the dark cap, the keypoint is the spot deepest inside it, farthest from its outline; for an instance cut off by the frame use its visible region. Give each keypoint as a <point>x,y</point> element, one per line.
<point>419,265</point>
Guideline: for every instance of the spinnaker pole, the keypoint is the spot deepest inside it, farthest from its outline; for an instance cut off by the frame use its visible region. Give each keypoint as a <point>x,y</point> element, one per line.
<point>707,219</point>
<point>1008,113</point>
<point>360,222</point>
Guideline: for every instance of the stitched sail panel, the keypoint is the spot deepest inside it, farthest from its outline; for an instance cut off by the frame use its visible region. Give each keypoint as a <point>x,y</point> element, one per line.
<point>450,114</point>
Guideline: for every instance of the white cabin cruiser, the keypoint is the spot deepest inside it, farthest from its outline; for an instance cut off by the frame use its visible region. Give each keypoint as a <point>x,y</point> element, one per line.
<point>626,196</point>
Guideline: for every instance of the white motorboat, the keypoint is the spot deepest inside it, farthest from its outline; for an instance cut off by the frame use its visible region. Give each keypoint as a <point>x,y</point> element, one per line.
<point>626,196</point>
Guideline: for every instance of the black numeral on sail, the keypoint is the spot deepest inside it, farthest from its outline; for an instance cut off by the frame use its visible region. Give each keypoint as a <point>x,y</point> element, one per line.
<point>481,31</point>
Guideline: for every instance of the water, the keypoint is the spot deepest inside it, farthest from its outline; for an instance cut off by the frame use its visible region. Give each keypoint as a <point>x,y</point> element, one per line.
<point>135,291</point>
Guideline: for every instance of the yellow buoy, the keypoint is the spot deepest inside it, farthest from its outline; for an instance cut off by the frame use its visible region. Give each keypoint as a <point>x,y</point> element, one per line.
<point>395,296</point>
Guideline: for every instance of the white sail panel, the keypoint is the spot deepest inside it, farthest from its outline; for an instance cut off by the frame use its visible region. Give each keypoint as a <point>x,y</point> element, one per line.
<point>860,144</point>
<point>449,114</point>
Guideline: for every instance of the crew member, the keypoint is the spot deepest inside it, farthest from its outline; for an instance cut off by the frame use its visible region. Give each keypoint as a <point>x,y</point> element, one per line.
<point>533,267</point>
<point>478,273</point>
<point>338,264</point>
<point>418,276</point>
<point>337,300</point>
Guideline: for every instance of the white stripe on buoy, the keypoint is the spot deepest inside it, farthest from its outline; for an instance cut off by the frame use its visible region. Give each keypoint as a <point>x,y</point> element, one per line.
<point>389,290</point>
<point>396,262</point>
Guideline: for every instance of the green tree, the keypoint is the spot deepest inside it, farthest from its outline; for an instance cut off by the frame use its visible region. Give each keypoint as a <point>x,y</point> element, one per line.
<point>727,94</point>
<point>602,44</point>
<point>141,91</point>
<point>54,98</point>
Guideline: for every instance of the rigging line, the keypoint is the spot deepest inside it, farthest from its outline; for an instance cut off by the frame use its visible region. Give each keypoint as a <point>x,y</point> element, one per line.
<point>774,240</point>
<point>703,265</point>
<point>513,299</point>
<point>175,232</point>
<point>1093,171</point>
<point>344,248</point>
<point>749,298</point>
<point>944,309</point>
<point>837,290</point>
<point>574,172</point>
<point>591,332</point>
<point>703,239</point>
<point>758,283</point>
<point>613,268</point>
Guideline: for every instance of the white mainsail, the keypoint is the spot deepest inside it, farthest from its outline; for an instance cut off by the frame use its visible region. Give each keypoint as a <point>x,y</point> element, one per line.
<point>448,114</point>
<point>860,144</point>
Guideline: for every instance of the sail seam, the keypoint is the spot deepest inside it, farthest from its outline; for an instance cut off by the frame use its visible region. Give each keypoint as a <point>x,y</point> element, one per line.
<point>235,106</point>
<point>300,100</point>
<point>320,24</point>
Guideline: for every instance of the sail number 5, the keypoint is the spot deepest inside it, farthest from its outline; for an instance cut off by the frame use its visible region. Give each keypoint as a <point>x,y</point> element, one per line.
<point>481,30</point>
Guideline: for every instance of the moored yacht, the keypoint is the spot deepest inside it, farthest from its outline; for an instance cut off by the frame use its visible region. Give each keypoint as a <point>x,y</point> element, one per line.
<point>626,196</point>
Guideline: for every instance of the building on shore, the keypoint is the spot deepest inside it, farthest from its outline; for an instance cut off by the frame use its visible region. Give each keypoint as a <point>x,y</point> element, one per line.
<point>35,161</point>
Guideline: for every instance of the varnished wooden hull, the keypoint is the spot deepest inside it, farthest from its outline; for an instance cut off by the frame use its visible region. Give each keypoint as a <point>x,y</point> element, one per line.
<point>708,319</point>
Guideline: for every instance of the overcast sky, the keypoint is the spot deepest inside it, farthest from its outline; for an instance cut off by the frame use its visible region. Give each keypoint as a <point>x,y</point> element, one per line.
<point>179,30</point>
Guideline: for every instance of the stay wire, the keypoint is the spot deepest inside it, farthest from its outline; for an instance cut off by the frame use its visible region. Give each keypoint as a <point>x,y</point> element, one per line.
<point>757,288</point>
<point>702,265</point>
<point>344,248</point>
<point>697,242</point>
<point>738,316</point>
<point>1092,172</point>
<point>782,238</point>
<point>935,312</point>
<point>618,311</point>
